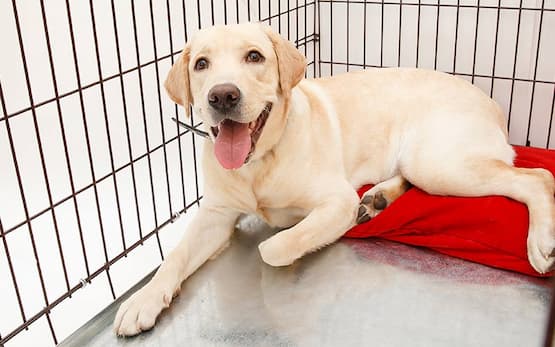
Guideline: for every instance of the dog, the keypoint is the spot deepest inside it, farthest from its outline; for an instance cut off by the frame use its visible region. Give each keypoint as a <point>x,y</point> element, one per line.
<point>293,151</point>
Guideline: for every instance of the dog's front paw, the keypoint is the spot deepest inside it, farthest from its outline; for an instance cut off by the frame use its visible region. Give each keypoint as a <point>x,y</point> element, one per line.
<point>276,251</point>
<point>139,312</point>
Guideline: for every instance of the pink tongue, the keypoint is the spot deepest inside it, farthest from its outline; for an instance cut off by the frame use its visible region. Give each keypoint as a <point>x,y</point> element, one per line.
<point>233,144</point>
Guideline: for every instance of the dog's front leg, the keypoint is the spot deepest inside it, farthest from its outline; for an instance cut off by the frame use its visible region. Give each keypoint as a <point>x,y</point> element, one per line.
<point>326,223</point>
<point>206,235</point>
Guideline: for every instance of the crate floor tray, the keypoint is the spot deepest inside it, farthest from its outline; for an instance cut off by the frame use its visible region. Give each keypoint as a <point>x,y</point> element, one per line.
<point>354,293</point>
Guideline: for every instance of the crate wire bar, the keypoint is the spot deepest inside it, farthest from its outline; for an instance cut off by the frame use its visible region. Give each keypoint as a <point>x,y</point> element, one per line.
<point>94,166</point>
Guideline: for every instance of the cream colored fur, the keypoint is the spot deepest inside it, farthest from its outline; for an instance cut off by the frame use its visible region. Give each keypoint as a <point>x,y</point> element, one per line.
<point>323,139</point>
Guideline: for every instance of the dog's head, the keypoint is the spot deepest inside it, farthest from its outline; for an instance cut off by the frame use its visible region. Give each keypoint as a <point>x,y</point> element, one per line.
<point>238,79</point>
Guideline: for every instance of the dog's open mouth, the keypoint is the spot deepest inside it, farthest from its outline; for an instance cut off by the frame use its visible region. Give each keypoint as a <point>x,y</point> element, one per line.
<point>235,142</point>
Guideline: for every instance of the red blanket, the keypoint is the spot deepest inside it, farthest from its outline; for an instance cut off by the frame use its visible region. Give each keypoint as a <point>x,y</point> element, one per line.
<point>489,230</point>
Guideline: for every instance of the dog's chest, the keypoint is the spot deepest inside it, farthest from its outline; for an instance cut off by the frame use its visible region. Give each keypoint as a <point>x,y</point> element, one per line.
<point>278,200</point>
<point>282,217</point>
<point>277,205</point>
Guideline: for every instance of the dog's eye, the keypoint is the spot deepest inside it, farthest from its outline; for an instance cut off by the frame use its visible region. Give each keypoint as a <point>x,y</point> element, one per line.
<point>201,64</point>
<point>254,57</point>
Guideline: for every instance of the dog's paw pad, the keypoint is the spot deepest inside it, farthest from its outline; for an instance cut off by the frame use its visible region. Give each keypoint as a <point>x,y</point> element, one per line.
<point>379,202</point>
<point>367,199</point>
<point>376,201</point>
<point>371,204</point>
<point>362,215</point>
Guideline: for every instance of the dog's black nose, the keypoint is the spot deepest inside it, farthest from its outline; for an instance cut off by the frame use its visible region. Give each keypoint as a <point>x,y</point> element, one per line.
<point>224,97</point>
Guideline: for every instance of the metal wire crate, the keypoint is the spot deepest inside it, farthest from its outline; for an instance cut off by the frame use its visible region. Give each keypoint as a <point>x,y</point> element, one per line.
<point>94,168</point>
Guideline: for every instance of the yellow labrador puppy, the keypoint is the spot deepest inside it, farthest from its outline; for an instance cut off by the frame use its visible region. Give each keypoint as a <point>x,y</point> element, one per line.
<point>293,151</point>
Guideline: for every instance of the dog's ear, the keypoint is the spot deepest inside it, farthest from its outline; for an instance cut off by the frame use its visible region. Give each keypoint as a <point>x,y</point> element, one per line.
<point>177,82</point>
<point>291,63</point>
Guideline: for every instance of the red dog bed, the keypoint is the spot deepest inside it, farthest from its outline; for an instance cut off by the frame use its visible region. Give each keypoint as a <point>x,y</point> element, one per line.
<point>488,230</point>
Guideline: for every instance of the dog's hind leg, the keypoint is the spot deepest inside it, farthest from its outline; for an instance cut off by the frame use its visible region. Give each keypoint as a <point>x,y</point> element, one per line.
<point>476,176</point>
<point>380,196</point>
